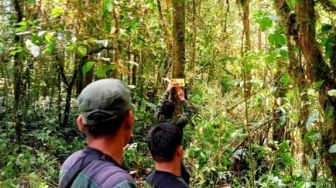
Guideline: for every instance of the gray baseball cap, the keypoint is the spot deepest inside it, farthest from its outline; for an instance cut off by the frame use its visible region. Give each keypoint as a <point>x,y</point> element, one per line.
<point>108,96</point>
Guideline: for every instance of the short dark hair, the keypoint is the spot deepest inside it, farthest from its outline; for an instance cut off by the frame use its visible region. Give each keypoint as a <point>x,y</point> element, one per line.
<point>163,140</point>
<point>103,124</point>
<point>168,108</point>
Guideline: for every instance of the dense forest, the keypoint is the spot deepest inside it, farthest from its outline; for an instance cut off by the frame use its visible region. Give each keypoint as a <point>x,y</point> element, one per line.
<point>260,74</point>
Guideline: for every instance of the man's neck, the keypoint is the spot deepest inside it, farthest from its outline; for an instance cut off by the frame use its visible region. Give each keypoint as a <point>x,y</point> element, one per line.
<point>172,167</point>
<point>108,147</point>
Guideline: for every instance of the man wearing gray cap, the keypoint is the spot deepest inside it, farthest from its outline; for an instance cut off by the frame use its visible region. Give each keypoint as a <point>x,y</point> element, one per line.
<point>107,121</point>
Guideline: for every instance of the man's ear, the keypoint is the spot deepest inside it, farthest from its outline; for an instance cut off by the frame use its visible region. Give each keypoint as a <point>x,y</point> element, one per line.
<point>129,120</point>
<point>179,151</point>
<point>80,124</point>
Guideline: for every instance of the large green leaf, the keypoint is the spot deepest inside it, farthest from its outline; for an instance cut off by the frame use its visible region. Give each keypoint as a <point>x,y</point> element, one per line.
<point>88,66</point>
<point>326,27</point>
<point>277,40</point>
<point>263,19</point>
<point>22,26</point>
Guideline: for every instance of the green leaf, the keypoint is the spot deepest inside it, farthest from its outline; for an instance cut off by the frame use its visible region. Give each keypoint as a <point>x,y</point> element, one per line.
<point>332,149</point>
<point>285,79</point>
<point>283,53</point>
<point>270,58</point>
<point>312,136</point>
<point>326,27</point>
<point>82,50</point>
<point>134,25</point>
<point>287,179</point>
<point>287,159</point>
<point>329,45</point>
<point>87,66</point>
<point>48,37</point>
<point>51,47</point>
<point>100,72</point>
<point>108,5</point>
<point>22,26</point>
<point>312,118</point>
<point>56,12</point>
<point>318,84</point>
<point>277,40</point>
<point>266,23</point>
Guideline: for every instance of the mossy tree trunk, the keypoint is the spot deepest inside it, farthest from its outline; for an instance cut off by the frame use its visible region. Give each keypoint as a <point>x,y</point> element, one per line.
<point>317,70</point>
<point>178,50</point>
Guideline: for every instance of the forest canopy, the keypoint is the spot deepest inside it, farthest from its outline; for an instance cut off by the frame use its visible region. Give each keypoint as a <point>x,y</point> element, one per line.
<point>260,75</point>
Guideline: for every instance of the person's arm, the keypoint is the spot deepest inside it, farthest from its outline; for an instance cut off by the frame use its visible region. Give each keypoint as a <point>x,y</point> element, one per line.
<point>184,118</point>
<point>163,98</point>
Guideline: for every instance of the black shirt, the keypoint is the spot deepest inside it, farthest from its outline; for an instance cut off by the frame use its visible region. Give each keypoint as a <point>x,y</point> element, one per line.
<point>160,179</point>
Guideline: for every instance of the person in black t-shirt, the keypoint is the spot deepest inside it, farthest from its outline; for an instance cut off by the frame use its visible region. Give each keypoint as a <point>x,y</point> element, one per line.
<point>165,146</point>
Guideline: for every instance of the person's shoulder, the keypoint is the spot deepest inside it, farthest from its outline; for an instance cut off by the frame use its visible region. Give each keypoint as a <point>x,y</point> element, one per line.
<point>71,159</point>
<point>158,179</point>
<point>107,174</point>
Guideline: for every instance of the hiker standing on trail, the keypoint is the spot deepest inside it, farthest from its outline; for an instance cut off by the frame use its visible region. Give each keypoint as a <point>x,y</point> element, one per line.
<point>107,121</point>
<point>165,109</point>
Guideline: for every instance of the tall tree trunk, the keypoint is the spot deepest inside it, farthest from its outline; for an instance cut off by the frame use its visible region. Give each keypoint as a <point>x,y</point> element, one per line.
<point>246,22</point>
<point>82,79</point>
<point>245,4</point>
<point>296,71</point>
<point>317,70</point>
<point>70,86</point>
<point>178,54</point>
<point>18,69</point>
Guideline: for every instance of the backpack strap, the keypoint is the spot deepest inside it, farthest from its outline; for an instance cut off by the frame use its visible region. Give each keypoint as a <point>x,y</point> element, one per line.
<point>83,161</point>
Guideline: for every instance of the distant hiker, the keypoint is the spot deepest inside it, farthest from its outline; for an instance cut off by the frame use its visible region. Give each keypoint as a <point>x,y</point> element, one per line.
<point>107,121</point>
<point>165,114</point>
<point>165,146</point>
<point>165,109</point>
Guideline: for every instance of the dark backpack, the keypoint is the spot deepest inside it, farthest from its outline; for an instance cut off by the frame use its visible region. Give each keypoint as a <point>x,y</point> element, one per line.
<point>89,155</point>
